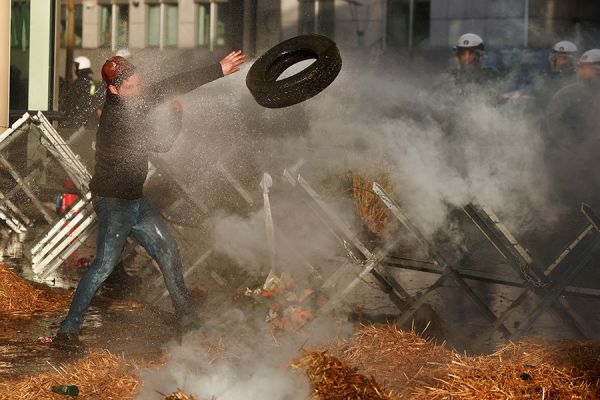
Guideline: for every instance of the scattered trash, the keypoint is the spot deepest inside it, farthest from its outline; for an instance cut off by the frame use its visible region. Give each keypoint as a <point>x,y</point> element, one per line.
<point>74,261</point>
<point>45,340</point>
<point>179,395</point>
<point>525,376</point>
<point>68,390</point>
<point>286,308</point>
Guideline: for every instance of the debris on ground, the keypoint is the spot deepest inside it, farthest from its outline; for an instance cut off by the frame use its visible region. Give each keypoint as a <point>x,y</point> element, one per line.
<point>67,390</point>
<point>17,296</point>
<point>286,307</point>
<point>376,362</point>
<point>179,395</point>
<point>98,375</point>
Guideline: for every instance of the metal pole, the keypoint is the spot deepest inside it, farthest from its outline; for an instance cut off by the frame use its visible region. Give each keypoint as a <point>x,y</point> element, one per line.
<point>15,175</point>
<point>384,25</point>
<point>213,25</point>
<point>113,27</point>
<point>5,66</point>
<point>316,12</point>
<point>70,39</point>
<point>411,22</point>
<point>161,30</point>
<point>526,24</point>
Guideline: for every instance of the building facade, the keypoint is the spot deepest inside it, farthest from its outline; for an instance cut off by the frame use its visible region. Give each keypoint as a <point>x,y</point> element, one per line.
<point>172,30</point>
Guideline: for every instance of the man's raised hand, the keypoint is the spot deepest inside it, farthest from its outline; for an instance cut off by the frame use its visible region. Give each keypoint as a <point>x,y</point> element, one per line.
<point>232,61</point>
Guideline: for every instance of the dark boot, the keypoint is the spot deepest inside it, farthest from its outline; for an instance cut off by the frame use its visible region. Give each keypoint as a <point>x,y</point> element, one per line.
<point>67,341</point>
<point>185,324</point>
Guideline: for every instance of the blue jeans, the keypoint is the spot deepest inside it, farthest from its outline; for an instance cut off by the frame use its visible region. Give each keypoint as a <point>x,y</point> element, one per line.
<point>117,219</point>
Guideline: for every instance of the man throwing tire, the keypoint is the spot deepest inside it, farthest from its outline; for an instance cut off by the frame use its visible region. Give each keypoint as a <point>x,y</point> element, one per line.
<point>123,141</point>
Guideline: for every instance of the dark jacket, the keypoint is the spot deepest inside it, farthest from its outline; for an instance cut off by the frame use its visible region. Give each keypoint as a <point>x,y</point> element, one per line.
<point>77,103</point>
<point>572,142</point>
<point>125,136</point>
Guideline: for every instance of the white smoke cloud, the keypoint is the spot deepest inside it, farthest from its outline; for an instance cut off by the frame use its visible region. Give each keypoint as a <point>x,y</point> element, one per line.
<point>205,374</point>
<point>364,120</point>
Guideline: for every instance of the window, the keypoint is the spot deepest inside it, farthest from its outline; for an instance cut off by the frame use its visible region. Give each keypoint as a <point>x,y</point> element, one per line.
<point>19,26</point>
<point>114,25</point>
<point>105,25</point>
<point>326,17</point>
<point>203,24</point>
<point>399,22</point>
<point>162,33</point>
<point>222,10</point>
<point>171,24</point>
<point>316,16</point>
<point>306,17</point>
<point>78,11</point>
<point>153,25</point>
<point>19,55</point>
<point>212,22</point>
<point>122,25</point>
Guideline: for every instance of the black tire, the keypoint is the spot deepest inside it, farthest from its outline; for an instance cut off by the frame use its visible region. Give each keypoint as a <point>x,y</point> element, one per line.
<point>271,93</point>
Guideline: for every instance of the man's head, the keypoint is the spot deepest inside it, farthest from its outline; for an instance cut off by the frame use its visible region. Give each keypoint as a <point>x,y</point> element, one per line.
<point>121,77</point>
<point>469,50</point>
<point>562,58</point>
<point>588,67</point>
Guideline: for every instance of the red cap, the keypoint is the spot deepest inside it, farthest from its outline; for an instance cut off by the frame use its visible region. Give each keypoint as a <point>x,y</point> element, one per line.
<point>116,69</point>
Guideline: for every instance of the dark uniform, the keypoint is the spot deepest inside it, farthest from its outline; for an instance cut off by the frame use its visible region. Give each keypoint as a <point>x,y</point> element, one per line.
<point>78,101</point>
<point>572,141</point>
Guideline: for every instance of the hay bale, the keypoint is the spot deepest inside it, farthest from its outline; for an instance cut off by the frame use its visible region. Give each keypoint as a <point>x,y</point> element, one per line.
<point>527,370</point>
<point>17,296</point>
<point>332,380</point>
<point>410,367</point>
<point>368,167</point>
<point>400,360</point>
<point>99,375</point>
<point>369,207</point>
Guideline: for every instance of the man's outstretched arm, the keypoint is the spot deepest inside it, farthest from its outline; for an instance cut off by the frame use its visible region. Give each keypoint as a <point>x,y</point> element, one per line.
<point>187,81</point>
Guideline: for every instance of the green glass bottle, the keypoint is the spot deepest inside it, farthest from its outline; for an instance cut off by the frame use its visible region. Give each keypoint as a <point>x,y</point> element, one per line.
<point>68,390</point>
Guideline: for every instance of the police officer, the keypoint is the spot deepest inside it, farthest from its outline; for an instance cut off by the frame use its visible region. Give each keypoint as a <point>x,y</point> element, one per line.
<point>471,81</point>
<point>571,133</point>
<point>532,88</point>
<point>471,78</point>
<point>560,71</point>
<point>562,60</point>
<point>469,51</point>
<point>574,108</point>
<point>77,103</point>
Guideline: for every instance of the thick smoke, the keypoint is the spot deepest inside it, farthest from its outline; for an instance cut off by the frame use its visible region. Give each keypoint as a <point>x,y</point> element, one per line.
<point>440,149</point>
<point>233,368</point>
<point>367,120</point>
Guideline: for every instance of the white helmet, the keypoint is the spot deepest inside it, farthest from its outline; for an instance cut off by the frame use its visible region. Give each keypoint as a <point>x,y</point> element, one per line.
<point>82,62</point>
<point>470,41</point>
<point>125,53</point>
<point>591,57</point>
<point>564,46</point>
